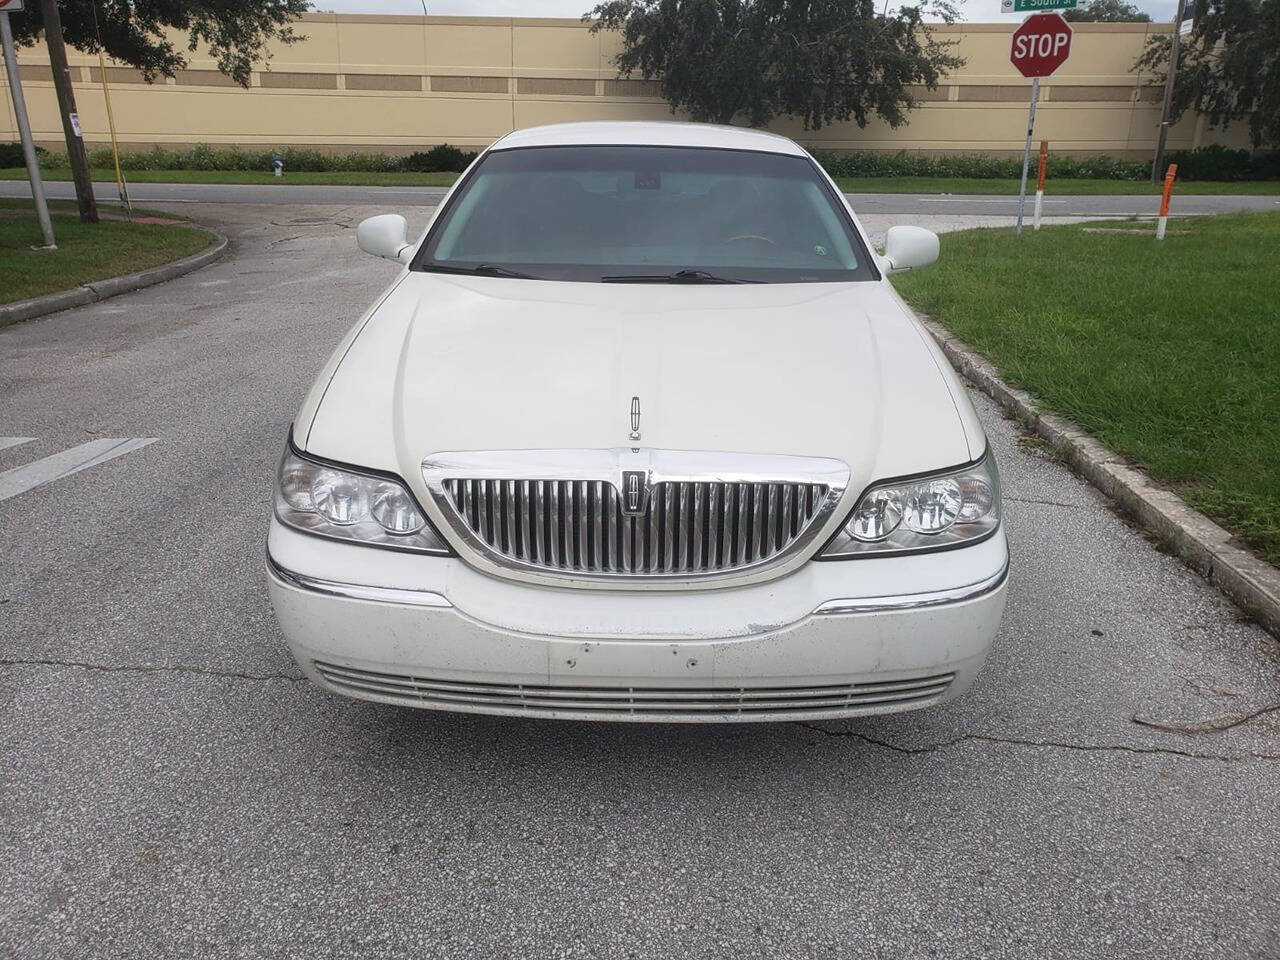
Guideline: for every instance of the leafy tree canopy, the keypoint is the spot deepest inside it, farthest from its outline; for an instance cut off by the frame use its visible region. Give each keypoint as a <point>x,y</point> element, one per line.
<point>237,32</point>
<point>820,60</point>
<point>1106,11</point>
<point>1228,67</point>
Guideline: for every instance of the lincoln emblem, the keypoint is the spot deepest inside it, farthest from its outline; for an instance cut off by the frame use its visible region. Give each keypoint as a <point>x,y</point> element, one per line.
<point>635,418</point>
<point>635,492</point>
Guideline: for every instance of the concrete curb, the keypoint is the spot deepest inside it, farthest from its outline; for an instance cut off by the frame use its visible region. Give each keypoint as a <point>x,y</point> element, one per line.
<point>102,289</point>
<point>1203,545</point>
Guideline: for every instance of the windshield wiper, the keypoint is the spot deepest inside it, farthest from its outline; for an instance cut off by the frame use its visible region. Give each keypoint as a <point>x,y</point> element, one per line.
<point>481,270</point>
<point>680,276</point>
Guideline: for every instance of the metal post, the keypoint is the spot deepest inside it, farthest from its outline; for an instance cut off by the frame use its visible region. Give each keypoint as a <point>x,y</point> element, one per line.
<point>1044,162</point>
<point>1026,153</point>
<point>115,144</point>
<point>24,132</point>
<point>1169,177</point>
<point>1175,44</point>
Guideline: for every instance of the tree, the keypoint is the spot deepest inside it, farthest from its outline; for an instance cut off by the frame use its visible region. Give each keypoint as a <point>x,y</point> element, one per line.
<point>237,32</point>
<point>820,60</point>
<point>1229,66</point>
<point>1106,11</point>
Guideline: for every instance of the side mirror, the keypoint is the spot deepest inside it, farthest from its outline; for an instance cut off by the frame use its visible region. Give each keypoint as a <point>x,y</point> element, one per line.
<point>386,236</point>
<point>909,248</point>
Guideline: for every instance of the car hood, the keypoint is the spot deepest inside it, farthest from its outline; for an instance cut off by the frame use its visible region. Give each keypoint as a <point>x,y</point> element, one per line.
<point>455,363</point>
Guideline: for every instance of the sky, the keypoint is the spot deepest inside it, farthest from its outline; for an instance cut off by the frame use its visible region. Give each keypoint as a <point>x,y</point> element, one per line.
<point>977,10</point>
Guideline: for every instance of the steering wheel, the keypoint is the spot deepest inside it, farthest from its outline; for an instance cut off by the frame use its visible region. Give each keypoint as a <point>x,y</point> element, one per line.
<point>751,236</point>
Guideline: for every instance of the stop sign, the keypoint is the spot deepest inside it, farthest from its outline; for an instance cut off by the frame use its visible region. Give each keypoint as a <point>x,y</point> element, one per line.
<point>1041,45</point>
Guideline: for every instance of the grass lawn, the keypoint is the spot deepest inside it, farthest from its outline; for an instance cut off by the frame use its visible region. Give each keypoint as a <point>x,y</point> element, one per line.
<point>848,184</point>
<point>86,252</point>
<point>1168,352</point>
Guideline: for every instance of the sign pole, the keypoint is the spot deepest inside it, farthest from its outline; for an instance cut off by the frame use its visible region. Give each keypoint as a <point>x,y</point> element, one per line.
<point>24,132</point>
<point>1026,154</point>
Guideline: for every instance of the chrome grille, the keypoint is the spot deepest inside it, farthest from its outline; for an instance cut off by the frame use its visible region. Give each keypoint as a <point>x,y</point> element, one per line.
<point>687,527</point>
<point>626,702</point>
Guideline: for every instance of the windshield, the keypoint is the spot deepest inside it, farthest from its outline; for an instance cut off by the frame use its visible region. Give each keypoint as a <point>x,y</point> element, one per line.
<point>646,214</point>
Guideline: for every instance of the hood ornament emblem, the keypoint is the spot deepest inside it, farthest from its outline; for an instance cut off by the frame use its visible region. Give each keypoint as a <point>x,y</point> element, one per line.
<point>635,418</point>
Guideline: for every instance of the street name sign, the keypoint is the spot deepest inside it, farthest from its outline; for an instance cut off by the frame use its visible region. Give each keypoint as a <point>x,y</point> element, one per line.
<point>1041,44</point>
<point>1031,6</point>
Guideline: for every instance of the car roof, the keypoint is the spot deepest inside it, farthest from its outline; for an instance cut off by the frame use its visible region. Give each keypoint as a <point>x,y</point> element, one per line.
<point>650,134</point>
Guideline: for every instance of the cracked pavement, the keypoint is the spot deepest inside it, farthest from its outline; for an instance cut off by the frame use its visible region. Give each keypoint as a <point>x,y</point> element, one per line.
<point>169,786</point>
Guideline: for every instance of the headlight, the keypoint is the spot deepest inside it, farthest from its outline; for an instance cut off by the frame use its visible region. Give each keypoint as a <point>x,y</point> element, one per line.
<point>341,503</point>
<point>923,514</point>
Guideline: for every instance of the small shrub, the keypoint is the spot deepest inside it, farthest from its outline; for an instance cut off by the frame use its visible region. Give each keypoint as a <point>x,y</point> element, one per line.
<point>1216,162</point>
<point>1098,167</point>
<point>367,163</point>
<point>11,156</point>
<point>444,158</point>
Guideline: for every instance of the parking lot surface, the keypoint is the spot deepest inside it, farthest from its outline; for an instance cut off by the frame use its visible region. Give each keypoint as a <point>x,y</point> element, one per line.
<point>170,787</point>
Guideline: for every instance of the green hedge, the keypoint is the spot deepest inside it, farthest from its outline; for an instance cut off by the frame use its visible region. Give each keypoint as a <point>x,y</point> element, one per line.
<point>1219,163</point>
<point>977,166</point>
<point>204,157</point>
<point>1203,163</point>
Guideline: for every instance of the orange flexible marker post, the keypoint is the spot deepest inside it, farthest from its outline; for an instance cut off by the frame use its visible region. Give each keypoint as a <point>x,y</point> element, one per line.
<point>1170,175</point>
<point>1044,163</point>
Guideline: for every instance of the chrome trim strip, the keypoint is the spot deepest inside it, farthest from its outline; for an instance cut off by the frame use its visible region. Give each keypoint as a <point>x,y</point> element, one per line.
<point>355,591</point>
<point>915,601</point>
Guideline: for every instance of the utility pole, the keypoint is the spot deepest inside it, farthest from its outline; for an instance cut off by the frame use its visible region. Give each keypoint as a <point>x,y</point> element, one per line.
<point>67,107</point>
<point>1174,44</point>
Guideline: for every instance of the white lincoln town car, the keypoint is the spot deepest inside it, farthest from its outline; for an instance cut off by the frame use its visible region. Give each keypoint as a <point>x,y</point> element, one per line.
<point>640,431</point>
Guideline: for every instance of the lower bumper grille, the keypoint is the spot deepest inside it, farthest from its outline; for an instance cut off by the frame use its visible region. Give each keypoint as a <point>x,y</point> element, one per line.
<point>654,702</point>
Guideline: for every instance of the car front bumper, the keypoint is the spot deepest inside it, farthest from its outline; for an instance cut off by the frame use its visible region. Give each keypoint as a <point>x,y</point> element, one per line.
<point>834,639</point>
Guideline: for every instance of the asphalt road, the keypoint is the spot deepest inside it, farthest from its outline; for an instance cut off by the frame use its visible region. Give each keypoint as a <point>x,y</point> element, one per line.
<point>864,203</point>
<point>170,788</point>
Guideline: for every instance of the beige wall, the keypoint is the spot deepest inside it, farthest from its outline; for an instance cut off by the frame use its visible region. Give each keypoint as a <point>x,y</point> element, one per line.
<point>397,84</point>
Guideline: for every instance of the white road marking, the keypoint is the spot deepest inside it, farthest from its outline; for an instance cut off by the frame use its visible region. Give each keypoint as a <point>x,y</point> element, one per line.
<point>962,199</point>
<point>64,464</point>
<point>6,442</point>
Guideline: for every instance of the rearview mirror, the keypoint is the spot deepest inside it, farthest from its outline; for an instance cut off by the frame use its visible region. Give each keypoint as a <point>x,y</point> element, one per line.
<point>386,236</point>
<point>909,248</point>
